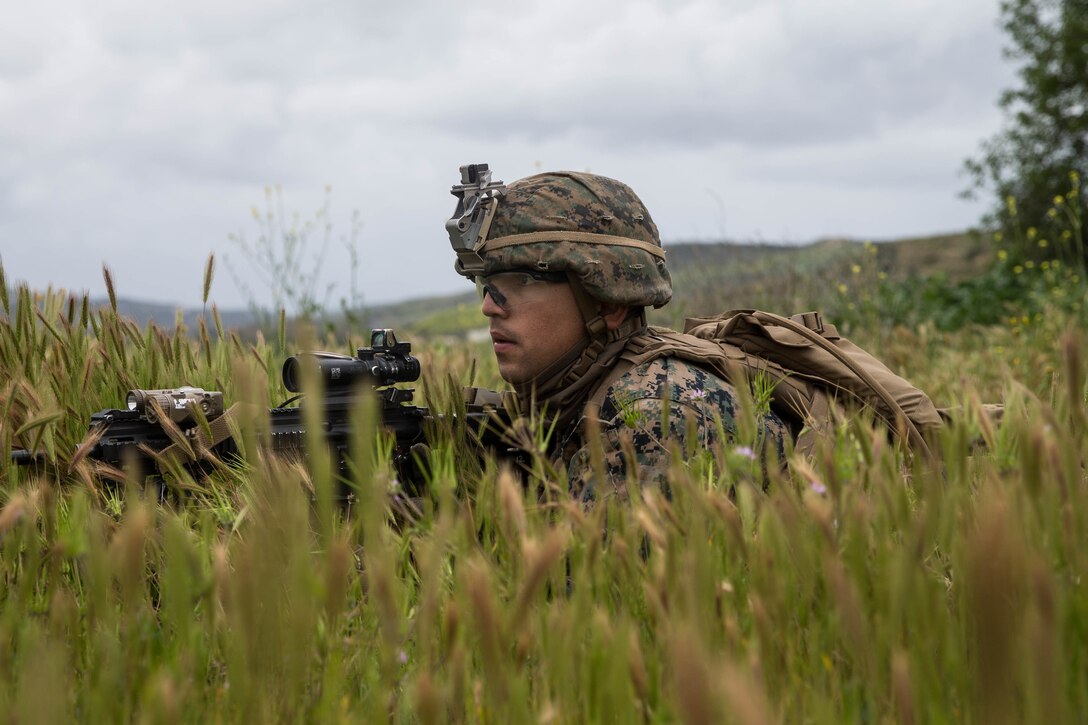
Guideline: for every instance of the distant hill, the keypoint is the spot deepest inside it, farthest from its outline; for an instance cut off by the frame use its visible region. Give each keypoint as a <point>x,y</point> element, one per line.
<point>958,254</point>
<point>706,277</point>
<point>713,277</point>
<point>166,316</point>
<point>717,277</point>
<point>396,315</point>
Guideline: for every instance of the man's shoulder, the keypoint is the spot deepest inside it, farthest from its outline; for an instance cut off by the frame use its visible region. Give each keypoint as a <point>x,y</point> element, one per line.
<point>661,403</point>
<point>670,379</point>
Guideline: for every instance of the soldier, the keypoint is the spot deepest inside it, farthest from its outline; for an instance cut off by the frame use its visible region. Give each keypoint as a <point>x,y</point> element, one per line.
<point>566,264</point>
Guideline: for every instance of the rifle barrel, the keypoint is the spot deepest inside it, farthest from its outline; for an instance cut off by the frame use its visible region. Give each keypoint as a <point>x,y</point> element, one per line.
<point>22,457</point>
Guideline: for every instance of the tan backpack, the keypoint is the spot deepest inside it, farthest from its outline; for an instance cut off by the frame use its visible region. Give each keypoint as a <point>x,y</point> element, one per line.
<point>817,374</point>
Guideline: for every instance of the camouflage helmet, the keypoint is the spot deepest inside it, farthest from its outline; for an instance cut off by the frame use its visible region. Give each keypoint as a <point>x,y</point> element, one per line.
<point>593,228</point>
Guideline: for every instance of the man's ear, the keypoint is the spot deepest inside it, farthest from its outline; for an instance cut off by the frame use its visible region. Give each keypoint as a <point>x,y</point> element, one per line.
<point>613,315</point>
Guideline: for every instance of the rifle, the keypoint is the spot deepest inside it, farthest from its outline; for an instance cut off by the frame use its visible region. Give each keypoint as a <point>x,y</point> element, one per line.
<point>189,426</point>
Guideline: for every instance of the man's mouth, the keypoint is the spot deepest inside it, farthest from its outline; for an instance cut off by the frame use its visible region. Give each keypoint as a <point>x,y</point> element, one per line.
<point>501,341</point>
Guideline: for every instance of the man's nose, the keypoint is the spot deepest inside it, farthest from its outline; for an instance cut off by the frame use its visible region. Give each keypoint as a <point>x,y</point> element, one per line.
<point>490,308</point>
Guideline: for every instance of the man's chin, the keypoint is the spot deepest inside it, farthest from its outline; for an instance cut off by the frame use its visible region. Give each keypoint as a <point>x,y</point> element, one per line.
<point>512,374</point>
<point>512,378</point>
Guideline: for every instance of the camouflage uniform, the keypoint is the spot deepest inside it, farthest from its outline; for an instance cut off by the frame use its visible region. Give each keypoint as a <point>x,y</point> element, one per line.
<point>598,232</point>
<point>659,407</point>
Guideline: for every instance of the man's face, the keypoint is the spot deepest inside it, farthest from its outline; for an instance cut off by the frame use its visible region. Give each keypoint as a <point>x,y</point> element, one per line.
<point>538,322</point>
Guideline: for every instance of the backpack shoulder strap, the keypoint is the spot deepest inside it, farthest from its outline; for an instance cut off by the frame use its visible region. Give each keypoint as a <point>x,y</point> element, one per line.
<point>640,349</point>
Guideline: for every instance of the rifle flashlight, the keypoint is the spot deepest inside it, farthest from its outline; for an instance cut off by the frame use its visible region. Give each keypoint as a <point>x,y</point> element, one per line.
<point>177,404</point>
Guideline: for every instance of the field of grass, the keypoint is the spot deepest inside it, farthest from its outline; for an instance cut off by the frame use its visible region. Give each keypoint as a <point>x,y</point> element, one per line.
<point>857,587</point>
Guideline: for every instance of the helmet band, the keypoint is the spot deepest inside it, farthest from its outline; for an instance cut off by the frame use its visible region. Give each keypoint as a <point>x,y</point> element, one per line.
<point>515,240</point>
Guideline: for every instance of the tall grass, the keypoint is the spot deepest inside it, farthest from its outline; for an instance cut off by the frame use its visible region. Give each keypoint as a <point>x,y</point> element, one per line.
<point>854,588</point>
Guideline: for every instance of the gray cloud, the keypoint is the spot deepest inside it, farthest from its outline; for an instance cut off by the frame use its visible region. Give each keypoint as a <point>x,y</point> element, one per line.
<point>142,134</point>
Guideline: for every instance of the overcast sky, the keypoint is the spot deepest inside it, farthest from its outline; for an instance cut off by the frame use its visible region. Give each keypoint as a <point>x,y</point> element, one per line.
<point>142,135</point>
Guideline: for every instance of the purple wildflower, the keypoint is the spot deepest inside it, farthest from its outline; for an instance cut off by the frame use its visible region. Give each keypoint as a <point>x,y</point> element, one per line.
<point>745,451</point>
<point>818,487</point>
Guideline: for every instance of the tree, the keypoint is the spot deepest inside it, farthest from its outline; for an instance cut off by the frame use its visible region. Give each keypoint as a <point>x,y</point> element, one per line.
<point>286,261</point>
<point>1034,165</point>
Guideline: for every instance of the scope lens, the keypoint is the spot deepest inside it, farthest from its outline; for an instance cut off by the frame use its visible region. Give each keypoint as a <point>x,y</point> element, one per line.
<point>131,401</point>
<point>291,377</point>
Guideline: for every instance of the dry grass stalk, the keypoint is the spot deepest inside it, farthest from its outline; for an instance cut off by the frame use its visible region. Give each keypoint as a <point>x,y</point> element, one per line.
<point>995,573</point>
<point>902,690</point>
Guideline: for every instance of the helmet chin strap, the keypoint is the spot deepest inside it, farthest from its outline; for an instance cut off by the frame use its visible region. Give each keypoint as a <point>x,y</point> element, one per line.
<point>596,326</point>
<point>590,309</point>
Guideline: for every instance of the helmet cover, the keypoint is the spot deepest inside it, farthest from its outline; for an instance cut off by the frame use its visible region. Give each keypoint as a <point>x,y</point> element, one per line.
<point>593,228</point>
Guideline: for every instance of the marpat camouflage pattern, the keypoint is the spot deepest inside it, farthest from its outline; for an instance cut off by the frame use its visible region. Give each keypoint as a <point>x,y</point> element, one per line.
<point>567,201</point>
<point>656,406</point>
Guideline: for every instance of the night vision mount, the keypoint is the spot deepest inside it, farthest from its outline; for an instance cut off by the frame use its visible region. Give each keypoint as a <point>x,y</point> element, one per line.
<point>477,199</point>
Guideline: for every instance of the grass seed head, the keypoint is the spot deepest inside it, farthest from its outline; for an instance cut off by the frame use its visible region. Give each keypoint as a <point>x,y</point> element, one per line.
<point>995,575</point>
<point>902,689</point>
<point>636,667</point>
<point>744,696</point>
<point>209,275</point>
<point>338,567</point>
<point>129,549</point>
<point>428,700</point>
<point>108,277</point>
<point>13,512</point>
<point>692,680</point>
<point>513,503</point>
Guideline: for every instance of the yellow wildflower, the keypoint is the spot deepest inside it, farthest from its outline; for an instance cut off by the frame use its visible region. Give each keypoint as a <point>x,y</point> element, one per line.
<point>1002,255</point>
<point>856,269</point>
<point>1029,264</point>
<point>1043,243</point>
<point>843,289</point>
<point>1059,200</point>
<point>1032,232</point>
<point>1017,269</point>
